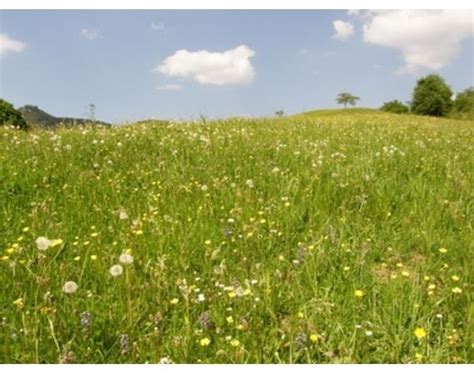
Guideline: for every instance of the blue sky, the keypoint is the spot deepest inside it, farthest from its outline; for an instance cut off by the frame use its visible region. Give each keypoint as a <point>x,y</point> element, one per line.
<point>292,60</point>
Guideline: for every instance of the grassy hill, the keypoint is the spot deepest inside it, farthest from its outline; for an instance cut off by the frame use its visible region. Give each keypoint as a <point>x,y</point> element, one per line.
<point>336,237</point>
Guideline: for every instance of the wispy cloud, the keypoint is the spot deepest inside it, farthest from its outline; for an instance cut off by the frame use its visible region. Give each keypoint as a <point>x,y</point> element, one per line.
<point>91,34</point>
<point>158,26</point>
<point>170,87</point>
<point>344,30</point>
<point>8,44</point>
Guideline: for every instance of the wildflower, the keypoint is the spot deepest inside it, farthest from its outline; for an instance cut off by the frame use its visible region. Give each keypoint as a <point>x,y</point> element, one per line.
<point>418,356</point>
<point>234,343</point>
<point>123,344</point>
<point>346,268</point>
<point>369,333</point>
<point>443,250</point>
<point>93,257</point>
<point>231,294</point>
<point>205,321</point>
<point>174,301</point>
<point>456,290</point>
<point>250,183</point>
<point>204,342</point>
<point>455,278</point>
<point>314,338</point>
<point>70,287</point>
<point>405,273</point>
<point>42,243</point>
<point>116,270</point>
<point>358,293</point>
<point>19,303</point>
<point>230,320</point>
<point>126,258</point>
<point>432,286</point>
<point>55,242</point>
<point>201,298</point>
<point>207,242</point>
<point>123,215</point>
<point>25,229</point>
<point>166,361</point>
<point>85,320</point>
<point>420,332</point>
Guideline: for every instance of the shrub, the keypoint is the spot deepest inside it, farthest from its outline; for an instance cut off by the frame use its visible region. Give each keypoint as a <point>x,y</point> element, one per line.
<point>432,97</point>
<point>9,116</point>
<point>463,106</point>
<point>395,106</point>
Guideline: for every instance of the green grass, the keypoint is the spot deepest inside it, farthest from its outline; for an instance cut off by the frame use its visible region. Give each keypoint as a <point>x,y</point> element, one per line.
<point>276,223</point>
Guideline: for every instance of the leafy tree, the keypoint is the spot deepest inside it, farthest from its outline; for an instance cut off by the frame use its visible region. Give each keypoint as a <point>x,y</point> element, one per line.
<point>279,113</point>
<point>463,106</point>
<point>395,106</point>
<point>432,97</point>
<point>347,98</point>
<point>9,116</point>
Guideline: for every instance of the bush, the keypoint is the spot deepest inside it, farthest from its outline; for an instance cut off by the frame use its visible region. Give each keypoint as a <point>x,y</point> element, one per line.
<point>432,97</point>
<point>463,106</point>
<point>395,106</point>
<point>9,116</point>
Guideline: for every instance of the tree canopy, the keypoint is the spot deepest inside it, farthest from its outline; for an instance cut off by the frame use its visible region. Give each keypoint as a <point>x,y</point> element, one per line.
<point>347,98</point>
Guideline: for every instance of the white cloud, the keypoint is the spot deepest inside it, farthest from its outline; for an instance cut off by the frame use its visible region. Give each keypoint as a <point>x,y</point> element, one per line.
<point>344,30</point>
<point>8,44</point>
<point>217,68</point>
<point>90,34</point>
<point>157,26</point>
<point>428,39</point>
<point>169,87</point>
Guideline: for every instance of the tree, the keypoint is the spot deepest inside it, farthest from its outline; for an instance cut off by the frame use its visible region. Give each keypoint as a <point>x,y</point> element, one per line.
<point>9,116</point>
<point>347,98</point>
<point>395,106</point>
<point>432,97</point>
<point>279,113</point>
<point>463,106</point>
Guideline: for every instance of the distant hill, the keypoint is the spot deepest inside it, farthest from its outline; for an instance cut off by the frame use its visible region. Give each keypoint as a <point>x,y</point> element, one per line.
<point>34,116</point>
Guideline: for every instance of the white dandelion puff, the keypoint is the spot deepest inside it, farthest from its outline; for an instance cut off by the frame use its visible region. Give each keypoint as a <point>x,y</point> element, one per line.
<point>116,270</point>
<point>70,287</point>
<point>43,243</point>
<point>126,258</point>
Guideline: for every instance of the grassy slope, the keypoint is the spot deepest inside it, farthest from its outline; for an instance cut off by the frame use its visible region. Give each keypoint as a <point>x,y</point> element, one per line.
<point>301,212</point>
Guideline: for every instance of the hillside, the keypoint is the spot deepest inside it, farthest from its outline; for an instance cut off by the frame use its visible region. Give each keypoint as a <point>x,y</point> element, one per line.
<point>327,238</point>
<point>34,116</point>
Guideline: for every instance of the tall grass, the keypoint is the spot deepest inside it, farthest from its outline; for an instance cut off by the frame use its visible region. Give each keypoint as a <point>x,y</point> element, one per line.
<point>308,239</point>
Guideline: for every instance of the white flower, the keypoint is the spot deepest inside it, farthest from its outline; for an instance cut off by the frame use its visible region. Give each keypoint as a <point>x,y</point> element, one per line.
<point>43,243</point>
<point>116,270</point>
<point>250,183</point>
<point>166,361</point>
<point>123,215</point>
<point>126,258</point>
<point>368,333</point>
<point>70,287</point>
<point>201,298</point>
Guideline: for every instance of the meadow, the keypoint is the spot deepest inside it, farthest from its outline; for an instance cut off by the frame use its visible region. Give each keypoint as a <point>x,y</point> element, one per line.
<point>327,237</point>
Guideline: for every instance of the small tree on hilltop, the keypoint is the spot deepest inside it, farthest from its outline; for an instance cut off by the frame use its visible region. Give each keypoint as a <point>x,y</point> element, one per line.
<point>346,98</point>
<point>463,106</point>
<point>9,116</point>
<point>432,97</point>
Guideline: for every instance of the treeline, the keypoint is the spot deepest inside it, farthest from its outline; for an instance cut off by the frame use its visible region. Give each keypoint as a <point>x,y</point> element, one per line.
<point>432,96</point>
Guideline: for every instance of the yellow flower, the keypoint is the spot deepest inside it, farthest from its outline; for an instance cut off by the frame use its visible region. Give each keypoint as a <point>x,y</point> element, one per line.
<point>19,303</point>
<point>207,242</point>
<point>174,301</point>
<point>55,242</point>
<point>405,273</point>
<point>204,342</point>
<point>358,293</point>
<point>231,294</point>
<point>26,229</point>
<point>418,356</point>
<point>443,250</point>
<point>456,290</point>
<point>431,286</point>
<point>426,278</point>
<point>346,268</point>
<point>420,332</point>
<point>313,338</point>
<point>234,343</point>
<point>93,257</point>
<point>455,278</point>
<point>230,320</point>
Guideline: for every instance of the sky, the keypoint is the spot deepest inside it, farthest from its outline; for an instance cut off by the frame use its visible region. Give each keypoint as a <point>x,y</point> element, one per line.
<point>182,64</point>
